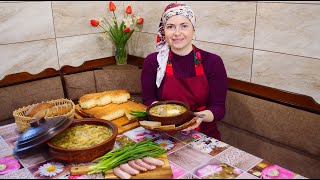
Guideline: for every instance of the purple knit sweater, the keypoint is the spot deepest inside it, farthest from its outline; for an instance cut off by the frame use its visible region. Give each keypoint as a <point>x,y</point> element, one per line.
<point>183,66</point>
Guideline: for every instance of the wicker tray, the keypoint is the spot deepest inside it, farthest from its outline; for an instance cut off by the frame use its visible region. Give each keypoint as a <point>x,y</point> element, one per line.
<point>23,121</point>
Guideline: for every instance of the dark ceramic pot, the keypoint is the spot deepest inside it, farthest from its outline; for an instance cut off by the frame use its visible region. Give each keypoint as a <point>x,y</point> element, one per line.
<point>85,154</point>
<point>170,120</point>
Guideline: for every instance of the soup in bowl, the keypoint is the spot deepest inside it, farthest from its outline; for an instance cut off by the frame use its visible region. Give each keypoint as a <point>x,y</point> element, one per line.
<point>169,112</point>
<point>84,140</point>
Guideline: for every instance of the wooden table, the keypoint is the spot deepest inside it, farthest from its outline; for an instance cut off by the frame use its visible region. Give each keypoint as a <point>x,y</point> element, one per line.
<point>192,155</point>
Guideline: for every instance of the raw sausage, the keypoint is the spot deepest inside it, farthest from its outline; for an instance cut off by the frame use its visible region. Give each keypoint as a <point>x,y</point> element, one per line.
<point>121,174</point>
<point>128,169</point>
<point>136,166</point>
<point>145,165</point>
<point>153,161</point>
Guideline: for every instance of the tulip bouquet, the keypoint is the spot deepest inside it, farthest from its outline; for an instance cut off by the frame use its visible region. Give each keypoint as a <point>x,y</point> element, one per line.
<point>119,32</point>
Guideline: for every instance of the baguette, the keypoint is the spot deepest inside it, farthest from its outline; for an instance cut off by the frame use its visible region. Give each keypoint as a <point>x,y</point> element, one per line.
<point>57,110</point>
<point>37,108</point>
<point>41,113</point>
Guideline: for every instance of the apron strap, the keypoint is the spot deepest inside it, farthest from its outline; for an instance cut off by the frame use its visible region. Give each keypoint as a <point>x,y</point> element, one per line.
<point>197,63</point>
<point>198,68</point>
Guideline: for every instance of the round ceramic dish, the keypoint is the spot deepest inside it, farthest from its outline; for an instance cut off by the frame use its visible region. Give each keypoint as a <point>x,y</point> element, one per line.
<point>176,120</point>
<point>85,154</point>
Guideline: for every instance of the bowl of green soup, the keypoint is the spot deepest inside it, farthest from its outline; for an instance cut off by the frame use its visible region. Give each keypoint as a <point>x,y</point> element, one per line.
<point>169,112</point>
<point>84,140</point>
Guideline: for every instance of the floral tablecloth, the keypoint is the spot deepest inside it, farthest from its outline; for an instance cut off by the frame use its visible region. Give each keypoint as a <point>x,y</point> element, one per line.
<point>192,155</point>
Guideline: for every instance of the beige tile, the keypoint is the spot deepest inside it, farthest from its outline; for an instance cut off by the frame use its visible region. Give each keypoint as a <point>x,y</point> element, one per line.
<point>73,17</point>
<point>145,46</point>
<point>25,21</point>
<point>287,72</point>
<point>32,57</point>
<point>76,50</point>
<point>288,28</point>
<point>237,61</point>
<point>229,23</point>
<point>151,11</point>
<point>133,43</point>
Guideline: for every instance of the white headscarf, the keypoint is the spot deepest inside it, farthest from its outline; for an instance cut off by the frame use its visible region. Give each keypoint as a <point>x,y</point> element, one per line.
<point>162,46</point>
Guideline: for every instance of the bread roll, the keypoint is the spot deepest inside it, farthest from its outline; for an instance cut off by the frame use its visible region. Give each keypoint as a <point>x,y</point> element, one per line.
<point>88,101</point>
<point>103,99</point>
<point>38,107</point>
<point>119,96</point>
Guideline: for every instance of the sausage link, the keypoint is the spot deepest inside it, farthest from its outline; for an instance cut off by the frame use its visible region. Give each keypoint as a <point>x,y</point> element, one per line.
<point>128,169</point>
<point>121,174</point>
<point>136,166</point>
<point>153,161</point>
<point>145,165</point>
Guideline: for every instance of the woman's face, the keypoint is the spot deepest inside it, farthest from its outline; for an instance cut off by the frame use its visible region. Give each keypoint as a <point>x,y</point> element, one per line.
<point>179,33</point>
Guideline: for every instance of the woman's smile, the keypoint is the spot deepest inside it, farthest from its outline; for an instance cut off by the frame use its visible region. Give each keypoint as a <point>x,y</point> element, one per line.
<point>178,40</point>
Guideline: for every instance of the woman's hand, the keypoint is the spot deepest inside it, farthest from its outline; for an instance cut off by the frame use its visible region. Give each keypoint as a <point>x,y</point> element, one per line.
<point>198,122</point>
<point>205,115</point>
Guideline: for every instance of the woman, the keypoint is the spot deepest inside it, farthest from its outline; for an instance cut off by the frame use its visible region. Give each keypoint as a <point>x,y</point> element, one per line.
<point>180,71</point>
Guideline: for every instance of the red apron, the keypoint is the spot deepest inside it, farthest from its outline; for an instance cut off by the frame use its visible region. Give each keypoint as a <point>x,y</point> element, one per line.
<point>193,91</point>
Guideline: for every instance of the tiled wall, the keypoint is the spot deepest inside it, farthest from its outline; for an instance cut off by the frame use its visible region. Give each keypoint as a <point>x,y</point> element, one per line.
<point>272,43</point>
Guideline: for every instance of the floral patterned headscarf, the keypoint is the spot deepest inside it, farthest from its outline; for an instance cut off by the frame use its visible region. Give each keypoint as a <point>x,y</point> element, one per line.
<point>162,46</point>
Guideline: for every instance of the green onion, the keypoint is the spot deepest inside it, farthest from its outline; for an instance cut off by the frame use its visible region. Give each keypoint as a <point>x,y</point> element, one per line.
<point>138,113</point>
<point>126,153</point>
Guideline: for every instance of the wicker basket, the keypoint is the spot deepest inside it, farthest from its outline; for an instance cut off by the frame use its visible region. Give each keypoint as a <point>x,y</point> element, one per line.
<point>23,121</point>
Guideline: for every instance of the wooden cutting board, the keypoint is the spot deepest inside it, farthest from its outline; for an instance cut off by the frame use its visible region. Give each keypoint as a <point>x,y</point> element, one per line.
<point>123,123</point>
<point>163,172</point>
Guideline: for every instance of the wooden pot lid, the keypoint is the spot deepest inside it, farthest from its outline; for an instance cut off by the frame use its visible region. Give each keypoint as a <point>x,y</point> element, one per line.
<point>40,131</point>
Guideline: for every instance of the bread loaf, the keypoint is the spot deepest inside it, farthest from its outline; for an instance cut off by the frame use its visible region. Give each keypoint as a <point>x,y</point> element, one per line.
<point>103,99</point>
<point>39,107</point>
<point>41,113</point>
<point>88,101</point>
<point>119,96</point>
<point>91,100</point>
<point>57,110</point>
<point>110,115</point>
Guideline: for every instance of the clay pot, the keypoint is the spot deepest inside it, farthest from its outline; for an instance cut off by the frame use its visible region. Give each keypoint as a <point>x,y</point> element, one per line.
<point>170,120</point>
<point>85,154</point>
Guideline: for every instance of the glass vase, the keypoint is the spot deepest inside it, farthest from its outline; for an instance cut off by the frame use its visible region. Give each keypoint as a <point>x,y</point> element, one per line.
<point>121,54</point>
